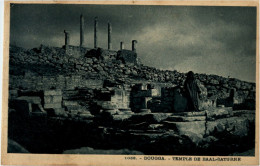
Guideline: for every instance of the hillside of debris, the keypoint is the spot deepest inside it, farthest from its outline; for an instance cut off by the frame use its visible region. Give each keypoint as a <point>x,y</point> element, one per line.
<point>100,64</point>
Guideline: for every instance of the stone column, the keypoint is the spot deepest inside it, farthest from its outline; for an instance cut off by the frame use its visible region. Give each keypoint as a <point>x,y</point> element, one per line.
<point>67,37</point>
<point>81,30</point>
<point>95,32</point>
<point>134,42</point>
<point>122,46</point>
<point>109,31</point>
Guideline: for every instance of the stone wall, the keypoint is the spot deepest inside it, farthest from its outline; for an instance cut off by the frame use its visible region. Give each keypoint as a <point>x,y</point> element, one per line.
<point>110,99</point>
<point>52,82</point>
<point>74,51</point>
<point>56,68</point>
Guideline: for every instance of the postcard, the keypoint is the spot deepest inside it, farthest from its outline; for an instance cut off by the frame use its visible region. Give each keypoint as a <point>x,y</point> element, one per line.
<point>131,83</point>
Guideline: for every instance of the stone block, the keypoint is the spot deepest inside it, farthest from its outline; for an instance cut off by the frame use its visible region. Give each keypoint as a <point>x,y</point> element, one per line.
<point>56,99</point>
<point>52,92</point>
<point>47,99</point>
<point>154,92</point>
<point>52,105</point>
<point>216,113</point>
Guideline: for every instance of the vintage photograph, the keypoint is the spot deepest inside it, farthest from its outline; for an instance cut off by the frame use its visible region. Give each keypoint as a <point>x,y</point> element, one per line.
<point>132,80</point>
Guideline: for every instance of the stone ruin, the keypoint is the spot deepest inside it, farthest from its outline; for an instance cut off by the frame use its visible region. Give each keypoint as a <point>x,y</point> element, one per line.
<point>127,56</point>
<point>106,99</point>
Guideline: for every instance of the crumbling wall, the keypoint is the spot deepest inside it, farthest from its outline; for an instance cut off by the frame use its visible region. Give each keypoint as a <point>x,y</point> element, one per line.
<point>51,82</point>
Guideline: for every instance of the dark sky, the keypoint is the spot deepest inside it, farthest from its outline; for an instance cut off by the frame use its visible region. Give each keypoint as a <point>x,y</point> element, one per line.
<point>212,40</point>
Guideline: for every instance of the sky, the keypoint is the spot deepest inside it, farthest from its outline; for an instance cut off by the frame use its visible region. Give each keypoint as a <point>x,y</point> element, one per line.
<point>203,39</point>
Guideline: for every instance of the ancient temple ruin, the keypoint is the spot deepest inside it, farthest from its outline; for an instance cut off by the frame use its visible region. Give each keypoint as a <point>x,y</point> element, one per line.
<point>127,56</point>
<point>104,99</point>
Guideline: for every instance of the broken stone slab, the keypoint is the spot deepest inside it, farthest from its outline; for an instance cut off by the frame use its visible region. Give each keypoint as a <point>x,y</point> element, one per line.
<point>186,119</point>
<point>52,92</point>
<point>121,117</point>
<point>236,126</point>
<point>185,128</point>
<point>201,113</point>
<point>30,99</point>
<point>220,112</point>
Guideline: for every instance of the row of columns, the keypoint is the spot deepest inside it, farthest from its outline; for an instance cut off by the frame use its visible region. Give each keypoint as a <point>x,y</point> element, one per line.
<point>109,31</point>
